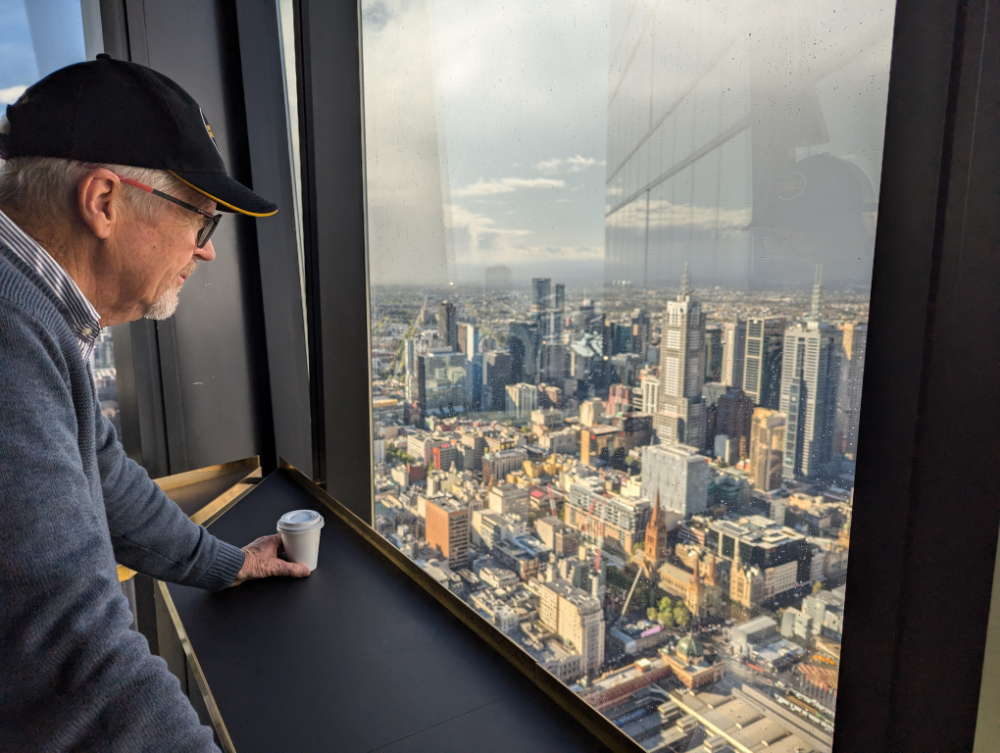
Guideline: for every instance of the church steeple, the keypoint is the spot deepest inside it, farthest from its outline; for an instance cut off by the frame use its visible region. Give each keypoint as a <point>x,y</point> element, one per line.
<point>656,535</point>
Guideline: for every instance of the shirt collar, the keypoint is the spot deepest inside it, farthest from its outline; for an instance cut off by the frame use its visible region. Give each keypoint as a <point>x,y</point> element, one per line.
<point>81,316</point>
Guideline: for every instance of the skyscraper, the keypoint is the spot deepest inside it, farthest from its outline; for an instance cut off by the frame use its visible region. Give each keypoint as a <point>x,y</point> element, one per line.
<point>523,344</point>
<point>762,362</point>
<point>680,415</point>
<point>767,445</point>
<point>713,353</point>
<point>852,374</point>
<point>448,526</point>
<point>496,377</point>
<point>809,380</point>
<point>521,400</point>
<point>441,381</point>
<point>448,324</point>
<point>733,351</point>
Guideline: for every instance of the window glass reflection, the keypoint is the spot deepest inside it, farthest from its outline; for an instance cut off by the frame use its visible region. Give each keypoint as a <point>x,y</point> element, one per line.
<point>620,257</point>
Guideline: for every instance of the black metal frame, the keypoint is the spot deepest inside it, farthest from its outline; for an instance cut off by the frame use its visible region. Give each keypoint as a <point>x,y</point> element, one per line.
<point>924,532</point>
<point>331,118</point>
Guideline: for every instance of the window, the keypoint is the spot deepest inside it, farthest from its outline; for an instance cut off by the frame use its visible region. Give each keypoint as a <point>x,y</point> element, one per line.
<point>543,181</point>
<point>22,63</point>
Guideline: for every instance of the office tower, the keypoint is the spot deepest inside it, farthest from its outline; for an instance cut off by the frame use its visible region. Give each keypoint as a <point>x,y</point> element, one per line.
<point>733,351</point>
<point>642,330</point>
<point>496,377</point>
<point>810,377</point>
<point>448,530</point>
<point>679,475</point>
<point>591,411</point>
<point>472,344</point>
<point>441,381</point>
<point>523,344</point>
<point>680,415</point>
<point>498,279</point>
<point>474,381</point>
<point>621,335</point>
<point>762,362</point>
<point>554,362</point>
<point>448,324</point>
<point>852,370</point>
<point>559,297</point>
<point>410,369</point>
<point>576,617</point>
<point>767,446</point>
<point>650,386</point>
<point>522,398</point>
<point>619,399</point>
<point>733,412</point>
<point>713,353</point>
<point>541,292</point>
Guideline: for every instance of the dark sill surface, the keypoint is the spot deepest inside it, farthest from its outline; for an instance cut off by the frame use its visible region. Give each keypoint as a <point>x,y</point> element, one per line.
<point>194,496</point>
<point>357,657</point>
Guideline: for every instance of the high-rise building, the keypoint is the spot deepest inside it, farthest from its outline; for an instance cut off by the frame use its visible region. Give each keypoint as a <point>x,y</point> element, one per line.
<point>642,331</point>
<point>441,381</point>
<point>680,414</point>
<point>810,377</point>
<point>713,353</point>
<point>472,344</point>
<point>767,446</point>
<point>496,377</point>
<point>523,344</point>
<point>649,384</point>
<point>522,398</point>
<point>576,617</point>
<point>852,375</point>
<point>448,526</point>
<point>733,351</point>
<point>474,381</point>
<point>448,324</point>
<point>762,362</point>
<point>733,411</point>
<point>541,293</point>
<point>679,475</point>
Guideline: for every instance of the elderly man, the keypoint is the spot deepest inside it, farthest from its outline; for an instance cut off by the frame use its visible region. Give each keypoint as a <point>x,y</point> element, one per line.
<point>108,188</point>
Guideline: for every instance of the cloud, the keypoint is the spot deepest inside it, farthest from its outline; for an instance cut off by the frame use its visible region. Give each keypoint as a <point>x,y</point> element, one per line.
<point>505,185</point>
<point>9,95</point>
<point>571,165</point>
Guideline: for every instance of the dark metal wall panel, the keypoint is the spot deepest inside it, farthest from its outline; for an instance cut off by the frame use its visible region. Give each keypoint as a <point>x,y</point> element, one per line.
<point>925,521</point>
<point>281,284</point>
<point>213,352</point>
<point>955,509</point>
<point>332,143</point>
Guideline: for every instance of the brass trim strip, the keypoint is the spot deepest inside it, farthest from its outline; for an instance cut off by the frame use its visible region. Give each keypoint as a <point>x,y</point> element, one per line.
<point>211,512</point>
<point>591,719</point>
<point>199,675</point>
<point>203,474</point>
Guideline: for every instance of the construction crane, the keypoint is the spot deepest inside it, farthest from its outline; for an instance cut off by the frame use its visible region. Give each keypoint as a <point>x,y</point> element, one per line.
<point>552,502</point>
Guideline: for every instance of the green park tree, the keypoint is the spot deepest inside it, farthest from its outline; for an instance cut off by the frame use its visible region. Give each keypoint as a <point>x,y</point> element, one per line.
<point>651,613</point>
<point>682,617</point>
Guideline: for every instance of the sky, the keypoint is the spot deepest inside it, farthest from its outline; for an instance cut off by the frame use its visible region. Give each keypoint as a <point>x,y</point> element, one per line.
<point>513,96</point>
<point>17,59</point>
<point>498,113</point>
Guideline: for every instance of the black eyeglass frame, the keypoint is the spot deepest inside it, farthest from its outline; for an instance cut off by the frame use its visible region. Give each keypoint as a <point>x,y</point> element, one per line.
<point>211,220</point>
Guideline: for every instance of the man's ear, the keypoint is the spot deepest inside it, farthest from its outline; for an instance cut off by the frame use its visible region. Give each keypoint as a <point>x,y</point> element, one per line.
<point>99,201</point>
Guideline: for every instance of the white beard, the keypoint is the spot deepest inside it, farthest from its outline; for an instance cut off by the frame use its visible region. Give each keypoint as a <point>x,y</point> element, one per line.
<point>164,306</point>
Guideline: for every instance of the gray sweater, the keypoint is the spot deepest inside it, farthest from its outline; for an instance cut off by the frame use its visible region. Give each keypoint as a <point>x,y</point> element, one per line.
<point>73,676</point>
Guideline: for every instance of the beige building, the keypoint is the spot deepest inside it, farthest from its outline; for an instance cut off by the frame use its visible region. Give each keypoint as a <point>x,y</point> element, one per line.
<point>767,444</point>
<point>576,617</point>
<point>508,499</point>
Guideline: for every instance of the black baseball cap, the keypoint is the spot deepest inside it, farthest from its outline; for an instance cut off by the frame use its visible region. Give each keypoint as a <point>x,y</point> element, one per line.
<point>116,112</point>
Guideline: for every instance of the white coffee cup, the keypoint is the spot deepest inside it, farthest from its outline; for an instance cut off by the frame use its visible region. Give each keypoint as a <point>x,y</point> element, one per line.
<point>299,531</point>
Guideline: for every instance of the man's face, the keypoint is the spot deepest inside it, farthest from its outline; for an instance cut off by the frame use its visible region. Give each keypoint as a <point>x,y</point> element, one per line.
<point>154,259</point>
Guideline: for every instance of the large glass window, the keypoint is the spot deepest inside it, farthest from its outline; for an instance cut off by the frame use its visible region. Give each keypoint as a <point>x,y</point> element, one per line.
<point>35,40</point>
<point>620,256</point>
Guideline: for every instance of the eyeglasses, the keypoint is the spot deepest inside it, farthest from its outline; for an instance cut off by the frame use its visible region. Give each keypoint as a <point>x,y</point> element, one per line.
<point>211,220</point>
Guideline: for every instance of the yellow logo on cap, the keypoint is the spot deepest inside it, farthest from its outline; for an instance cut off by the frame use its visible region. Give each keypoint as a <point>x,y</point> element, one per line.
<point>208,128</point>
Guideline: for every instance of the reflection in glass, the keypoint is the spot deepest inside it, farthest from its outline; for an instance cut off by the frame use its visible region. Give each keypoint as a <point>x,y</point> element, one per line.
<point>619,301</point>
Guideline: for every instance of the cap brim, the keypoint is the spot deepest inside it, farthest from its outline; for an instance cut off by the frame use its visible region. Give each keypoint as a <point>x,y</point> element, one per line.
<point>230,195</point>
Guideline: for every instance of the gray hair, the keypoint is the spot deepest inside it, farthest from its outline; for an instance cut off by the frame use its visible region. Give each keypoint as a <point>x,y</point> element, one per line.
<point>36,188</point>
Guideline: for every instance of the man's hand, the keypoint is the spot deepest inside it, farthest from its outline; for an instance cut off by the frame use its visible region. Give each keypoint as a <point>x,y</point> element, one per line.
<point>262,561</point>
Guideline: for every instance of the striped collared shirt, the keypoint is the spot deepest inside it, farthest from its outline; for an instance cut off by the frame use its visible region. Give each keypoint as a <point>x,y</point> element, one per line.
<point>81,316</point>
